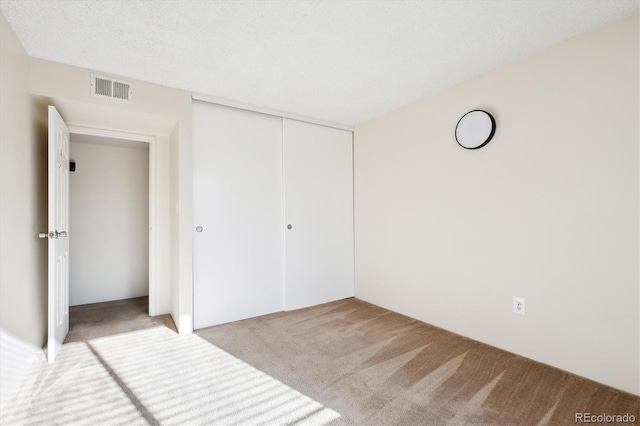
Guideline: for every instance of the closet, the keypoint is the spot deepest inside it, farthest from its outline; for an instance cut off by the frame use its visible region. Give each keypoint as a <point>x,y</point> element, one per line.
<point>273,214</point>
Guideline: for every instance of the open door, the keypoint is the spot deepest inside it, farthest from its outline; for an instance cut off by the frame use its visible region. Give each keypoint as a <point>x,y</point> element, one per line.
<point>58,234</point>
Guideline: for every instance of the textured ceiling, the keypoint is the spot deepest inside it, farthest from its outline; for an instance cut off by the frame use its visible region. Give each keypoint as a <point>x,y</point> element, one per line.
<point>339,61</point>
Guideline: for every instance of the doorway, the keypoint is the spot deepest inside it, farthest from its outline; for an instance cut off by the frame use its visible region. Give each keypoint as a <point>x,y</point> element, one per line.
<point>160,133</point>
<point>109,220</point>
<point>111,217</point>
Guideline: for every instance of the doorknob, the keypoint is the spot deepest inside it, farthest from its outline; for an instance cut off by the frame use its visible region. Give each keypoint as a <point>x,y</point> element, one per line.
<point>199,228</point>
<point>51,234</point>
<point>289,226</point>
<point>61,234</point>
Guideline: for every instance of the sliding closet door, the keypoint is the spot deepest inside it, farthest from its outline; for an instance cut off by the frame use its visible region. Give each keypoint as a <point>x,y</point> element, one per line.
<point>318,178</point>
<point>238,235</point>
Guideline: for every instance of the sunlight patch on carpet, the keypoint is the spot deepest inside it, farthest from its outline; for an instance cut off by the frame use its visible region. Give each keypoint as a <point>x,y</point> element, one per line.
<point>155,376</point>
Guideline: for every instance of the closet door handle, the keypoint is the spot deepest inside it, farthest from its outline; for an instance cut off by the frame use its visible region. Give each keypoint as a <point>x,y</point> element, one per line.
<point>289,226</point>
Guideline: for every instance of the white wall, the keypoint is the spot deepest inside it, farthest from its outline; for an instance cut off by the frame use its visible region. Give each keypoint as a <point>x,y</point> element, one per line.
<point>23,197</point>
<point>109,221</point>
<point>548,210</point>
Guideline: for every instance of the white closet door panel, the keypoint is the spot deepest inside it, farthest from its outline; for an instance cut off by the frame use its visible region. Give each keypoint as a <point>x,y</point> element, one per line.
<point>318,181</point>
<point>237,183</point>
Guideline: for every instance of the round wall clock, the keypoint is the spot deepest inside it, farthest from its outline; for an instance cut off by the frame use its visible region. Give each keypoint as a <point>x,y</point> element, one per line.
<point>475,129</point>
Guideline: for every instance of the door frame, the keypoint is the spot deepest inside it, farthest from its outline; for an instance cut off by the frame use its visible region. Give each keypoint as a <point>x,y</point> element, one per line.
<point>151,140</point>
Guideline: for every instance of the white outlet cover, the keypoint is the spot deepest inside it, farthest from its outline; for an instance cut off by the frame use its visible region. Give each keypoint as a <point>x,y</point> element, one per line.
<point>518,305</point>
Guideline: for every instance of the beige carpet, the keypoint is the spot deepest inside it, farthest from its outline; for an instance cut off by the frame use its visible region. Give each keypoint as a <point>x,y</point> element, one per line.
<point>155,376</point>
<point>376,367</point>
<point>105,319</point>
<point>370,365</point>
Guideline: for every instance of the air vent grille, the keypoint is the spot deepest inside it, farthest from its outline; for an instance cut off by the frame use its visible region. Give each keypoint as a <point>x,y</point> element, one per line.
<point>105,87</point>
<point>121,90</point>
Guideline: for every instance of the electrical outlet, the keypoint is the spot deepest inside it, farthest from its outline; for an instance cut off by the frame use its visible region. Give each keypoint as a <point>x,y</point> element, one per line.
<point>518,305</point>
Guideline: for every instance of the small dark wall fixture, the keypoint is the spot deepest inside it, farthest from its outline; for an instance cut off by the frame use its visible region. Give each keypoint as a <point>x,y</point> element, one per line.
<point>72,166</point>
<point>475,129</point>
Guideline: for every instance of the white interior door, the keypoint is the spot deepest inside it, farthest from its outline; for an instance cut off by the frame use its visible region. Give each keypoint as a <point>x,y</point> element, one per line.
<point>58,233</point>
<point>237,190</point>
<point>318,182</point>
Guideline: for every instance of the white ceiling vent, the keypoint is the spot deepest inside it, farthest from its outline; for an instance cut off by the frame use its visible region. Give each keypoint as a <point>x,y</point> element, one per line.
<point>111,88</point>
